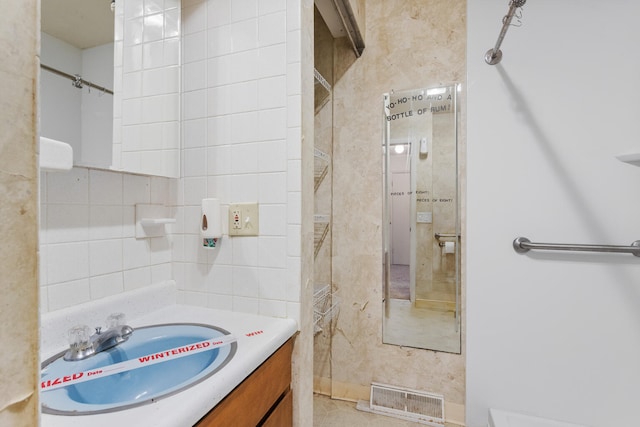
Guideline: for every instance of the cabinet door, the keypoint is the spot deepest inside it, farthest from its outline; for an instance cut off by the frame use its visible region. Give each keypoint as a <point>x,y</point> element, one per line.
<point>254,398</point>
<point>282,415</point>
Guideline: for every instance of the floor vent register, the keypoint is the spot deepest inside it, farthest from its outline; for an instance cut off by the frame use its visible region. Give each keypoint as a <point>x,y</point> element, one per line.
<point>406,404</point>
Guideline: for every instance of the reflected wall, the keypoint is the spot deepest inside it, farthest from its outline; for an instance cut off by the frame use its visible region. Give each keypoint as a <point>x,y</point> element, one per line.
<point>146,114</point>
<point>114,96</point>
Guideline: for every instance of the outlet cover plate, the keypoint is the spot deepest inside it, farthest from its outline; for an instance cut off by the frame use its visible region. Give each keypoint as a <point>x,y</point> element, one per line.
<point>249,220</point>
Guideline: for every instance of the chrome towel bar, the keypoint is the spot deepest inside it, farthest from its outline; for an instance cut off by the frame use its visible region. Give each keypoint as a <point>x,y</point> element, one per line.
<point>446,235</point>
<point>523,245</point>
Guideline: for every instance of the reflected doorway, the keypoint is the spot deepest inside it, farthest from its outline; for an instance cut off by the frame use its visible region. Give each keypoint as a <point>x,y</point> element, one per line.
<point>400,279</point>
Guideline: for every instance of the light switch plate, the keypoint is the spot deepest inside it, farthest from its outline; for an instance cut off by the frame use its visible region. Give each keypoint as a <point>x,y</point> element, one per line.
<point>243,219</point>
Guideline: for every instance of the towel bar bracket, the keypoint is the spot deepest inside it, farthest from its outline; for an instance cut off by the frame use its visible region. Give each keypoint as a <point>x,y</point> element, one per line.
<point>523,245</point>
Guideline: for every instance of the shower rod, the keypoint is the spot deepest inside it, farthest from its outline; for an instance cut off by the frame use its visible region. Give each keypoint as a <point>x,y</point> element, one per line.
<point>523,245</point>
<point>494,56</point>
<point>76,80</point>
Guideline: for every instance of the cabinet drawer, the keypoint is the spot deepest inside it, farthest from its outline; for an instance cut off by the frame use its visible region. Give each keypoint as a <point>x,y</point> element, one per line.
<point>255,397</point>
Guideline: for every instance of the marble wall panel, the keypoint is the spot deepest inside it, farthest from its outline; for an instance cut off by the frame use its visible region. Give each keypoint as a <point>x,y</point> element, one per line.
<point>19,46</point>
<point>409,44</point>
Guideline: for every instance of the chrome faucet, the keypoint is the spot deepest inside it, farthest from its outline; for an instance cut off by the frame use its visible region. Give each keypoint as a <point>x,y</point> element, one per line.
<point>82,345</point>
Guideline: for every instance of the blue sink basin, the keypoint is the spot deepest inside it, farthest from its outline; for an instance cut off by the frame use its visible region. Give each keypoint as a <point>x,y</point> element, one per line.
<point>137,386</point>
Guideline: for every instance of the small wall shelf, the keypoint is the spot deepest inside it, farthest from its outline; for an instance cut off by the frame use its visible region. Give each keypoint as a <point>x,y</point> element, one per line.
<point>320,167</point>
<point>321,80</point>
<point>320,231</point>
<point>151,220</point>
<point>631,158</point>
<point>325,307</point>
<point>322,90</point>
<point>157,221</point>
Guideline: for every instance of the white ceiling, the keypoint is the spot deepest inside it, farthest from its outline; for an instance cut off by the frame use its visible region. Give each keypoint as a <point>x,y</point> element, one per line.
<point>82,23</point>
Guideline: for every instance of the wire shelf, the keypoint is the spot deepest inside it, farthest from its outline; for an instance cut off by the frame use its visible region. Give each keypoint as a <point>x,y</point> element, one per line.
<point>326,305</point>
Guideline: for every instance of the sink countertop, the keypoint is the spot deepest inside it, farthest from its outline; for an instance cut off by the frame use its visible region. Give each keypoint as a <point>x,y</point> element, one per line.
<point>187,407</point>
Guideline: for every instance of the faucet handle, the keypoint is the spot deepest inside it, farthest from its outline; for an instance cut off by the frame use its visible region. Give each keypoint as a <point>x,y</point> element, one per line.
<point>79,336</point>
<point>116,319</point>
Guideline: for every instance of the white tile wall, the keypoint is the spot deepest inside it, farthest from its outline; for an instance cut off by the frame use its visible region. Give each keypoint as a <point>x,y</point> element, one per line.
<point>245,59</point>
<point>243,9</point>
<point>241,141</point>
<point>146,102</point>
<point>88,248</point>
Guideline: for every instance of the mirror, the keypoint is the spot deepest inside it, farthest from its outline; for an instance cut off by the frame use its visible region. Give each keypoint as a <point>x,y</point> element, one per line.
<point>422,219</point>
<point>110,83</point>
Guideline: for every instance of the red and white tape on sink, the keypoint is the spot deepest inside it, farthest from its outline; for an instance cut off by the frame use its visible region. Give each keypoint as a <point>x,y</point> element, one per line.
<point>148,360</point>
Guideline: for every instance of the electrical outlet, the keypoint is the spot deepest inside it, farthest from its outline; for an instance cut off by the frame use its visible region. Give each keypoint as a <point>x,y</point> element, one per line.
<point>236,219</point>
<point>243,219</point>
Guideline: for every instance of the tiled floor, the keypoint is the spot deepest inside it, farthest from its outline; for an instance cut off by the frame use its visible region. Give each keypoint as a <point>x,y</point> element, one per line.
<point>338,413</point>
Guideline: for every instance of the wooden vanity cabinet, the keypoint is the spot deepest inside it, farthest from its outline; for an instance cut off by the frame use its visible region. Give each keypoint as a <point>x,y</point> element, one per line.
<point>262,399</point>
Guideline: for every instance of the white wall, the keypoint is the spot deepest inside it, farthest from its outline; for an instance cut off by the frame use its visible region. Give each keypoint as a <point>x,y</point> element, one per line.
<point>88,248</point>
<point>241,143</point>
<point>97,108</point>
<point>553,334</point>
<point>60,102</point>
<point>82,118</point>
<point>146,123</point>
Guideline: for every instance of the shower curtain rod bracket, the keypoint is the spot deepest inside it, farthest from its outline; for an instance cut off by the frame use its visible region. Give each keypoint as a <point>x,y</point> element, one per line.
<point>492,57</point>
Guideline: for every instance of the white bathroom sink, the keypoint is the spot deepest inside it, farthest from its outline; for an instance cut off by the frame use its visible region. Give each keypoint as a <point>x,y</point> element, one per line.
<point>134,387</point>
